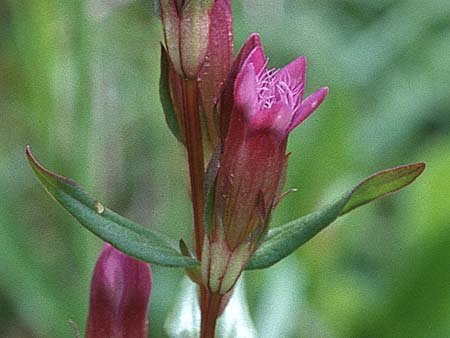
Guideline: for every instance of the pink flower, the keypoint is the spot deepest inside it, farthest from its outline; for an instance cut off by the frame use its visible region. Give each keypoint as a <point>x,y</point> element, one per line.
<point>268,105</point>
<point>120,292</point>
<point>265,106</point>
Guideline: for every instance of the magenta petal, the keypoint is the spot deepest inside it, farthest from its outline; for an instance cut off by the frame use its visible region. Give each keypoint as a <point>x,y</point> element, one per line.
<point>310,104</point>
<point>252,42</point>
<point>295,72</point>
<point>257,58</point>
<point>274,120</point>
<point>120,292</point>
<point>226,97</point>
<point>245,92</point>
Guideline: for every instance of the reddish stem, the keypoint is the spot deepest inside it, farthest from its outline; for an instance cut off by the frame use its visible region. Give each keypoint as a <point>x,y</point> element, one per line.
<point>210,308</point>
<point>194,145</point>
<point>209,302</point>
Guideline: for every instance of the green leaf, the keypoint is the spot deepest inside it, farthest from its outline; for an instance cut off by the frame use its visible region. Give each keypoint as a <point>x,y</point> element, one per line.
<point>131,238</point>
<point>184,319</point>
<point>208,216</point>
<point>382,183</point>
<point>284,240</point>
<point>166,100</point>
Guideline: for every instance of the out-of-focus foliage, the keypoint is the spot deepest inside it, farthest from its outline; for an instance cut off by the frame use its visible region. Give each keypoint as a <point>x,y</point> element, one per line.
<point>79,82</point>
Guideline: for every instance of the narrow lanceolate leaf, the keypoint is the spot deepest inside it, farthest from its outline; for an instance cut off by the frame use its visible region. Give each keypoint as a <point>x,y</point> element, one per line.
<point>284,240</point>
<point>383,183</point>
<point>131,238</point>
<point>166,99</point>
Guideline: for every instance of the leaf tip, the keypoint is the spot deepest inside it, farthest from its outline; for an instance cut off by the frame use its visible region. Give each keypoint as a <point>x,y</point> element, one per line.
<point>32,160</point>
<point>28,151</point>
<point>420,166</point>
<point>383,183</point>
<point>40,169</point>
<point>184,248</point>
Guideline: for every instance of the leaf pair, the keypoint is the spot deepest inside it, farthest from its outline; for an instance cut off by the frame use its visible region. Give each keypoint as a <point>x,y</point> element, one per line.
<point>156,248</point>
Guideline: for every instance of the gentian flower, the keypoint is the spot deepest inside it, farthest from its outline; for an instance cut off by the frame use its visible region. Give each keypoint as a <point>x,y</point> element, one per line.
<point>120,292</point>
<point>266,105</point>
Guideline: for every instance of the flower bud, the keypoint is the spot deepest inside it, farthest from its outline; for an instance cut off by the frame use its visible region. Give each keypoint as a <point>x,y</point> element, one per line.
<point>120,292</point>
<point>186,29</point>
<point>215,69</point>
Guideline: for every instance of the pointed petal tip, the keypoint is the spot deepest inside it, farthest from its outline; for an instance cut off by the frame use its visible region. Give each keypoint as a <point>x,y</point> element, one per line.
<point>308,106</point>
<point>299,63</point>
<point>321,94</point>
<point>254,39</point>
<point>300,60</point>
<point>296,69</point>
<point>257,58</point>
<point>315,99</point>
<point>252,51</point>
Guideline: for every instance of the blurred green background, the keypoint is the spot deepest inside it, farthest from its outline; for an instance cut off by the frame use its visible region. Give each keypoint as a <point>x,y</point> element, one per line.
<point>78,82</point>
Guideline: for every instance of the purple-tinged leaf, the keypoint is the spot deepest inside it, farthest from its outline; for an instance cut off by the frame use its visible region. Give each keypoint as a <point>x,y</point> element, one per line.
<point>170,96</point>
<point>383,183</point>
<point>133,239</point>
<point>284,240</point>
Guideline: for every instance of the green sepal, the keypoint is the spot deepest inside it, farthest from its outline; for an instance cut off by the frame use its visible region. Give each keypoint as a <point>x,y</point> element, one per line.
<point>208,217</point>
<point>133,239</point>
<point>165,98</point>
<point>284,240</point>
<point>193,272</point>
<point>266,222</point>
<point>184,248</point>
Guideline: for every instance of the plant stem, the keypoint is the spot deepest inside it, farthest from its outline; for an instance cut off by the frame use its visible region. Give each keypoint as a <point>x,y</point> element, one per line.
<point>209,302</point>
<point>194,145</point>
<point>210,308</point>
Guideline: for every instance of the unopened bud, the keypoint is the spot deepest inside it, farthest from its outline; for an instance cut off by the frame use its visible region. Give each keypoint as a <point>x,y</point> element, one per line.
<point>120,292</point>
<point>186,29</point>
